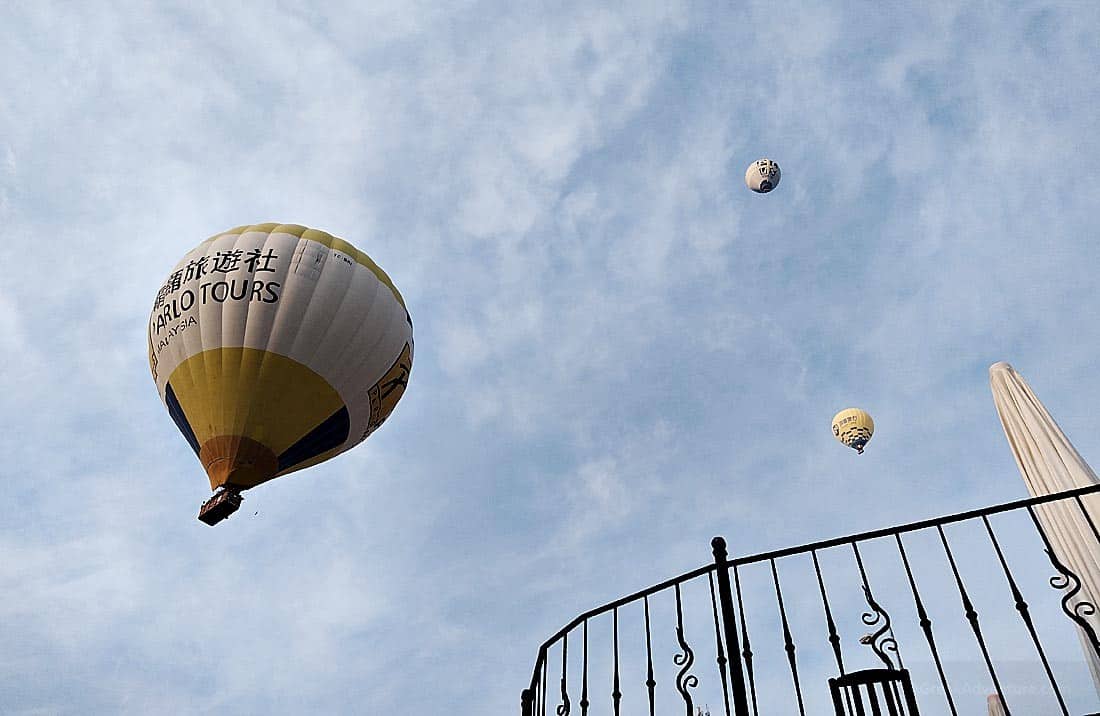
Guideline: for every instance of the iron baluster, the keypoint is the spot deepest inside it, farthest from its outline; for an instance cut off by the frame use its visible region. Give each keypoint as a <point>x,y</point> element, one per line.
<point>788,642</point>
<point>729,627</point>
<point>563,707</point>
<point>889,644</point>
<point>926,626</point>
<point>880,643</point>
<point>1088,517</point>
<point>972,617</point>
<point>534,692</point>
<point>584,671</point>
<point>542,691</point>
<point>529,698</point>
<point>1083,608</point>
<point>718,644</point>
<point>747,652</point>
<point>616,694</point>
<point>1096,534</point>
<point>875,640</point>
<point>1025,615</point>
<point>834,638</point>
<point>684,660</point>
<point>650,683</point>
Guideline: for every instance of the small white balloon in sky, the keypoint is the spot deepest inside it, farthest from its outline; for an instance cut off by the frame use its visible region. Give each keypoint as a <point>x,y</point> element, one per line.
<point>762,176</point>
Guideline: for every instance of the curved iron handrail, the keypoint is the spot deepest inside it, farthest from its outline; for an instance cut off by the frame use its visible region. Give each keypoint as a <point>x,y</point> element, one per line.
<point>895,531</point>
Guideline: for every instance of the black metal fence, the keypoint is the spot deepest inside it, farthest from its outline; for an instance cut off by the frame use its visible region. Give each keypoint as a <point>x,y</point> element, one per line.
<point>968,600</point>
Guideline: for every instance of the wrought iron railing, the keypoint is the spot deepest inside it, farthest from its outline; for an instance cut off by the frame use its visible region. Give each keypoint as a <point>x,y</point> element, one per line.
<point>949,592</point>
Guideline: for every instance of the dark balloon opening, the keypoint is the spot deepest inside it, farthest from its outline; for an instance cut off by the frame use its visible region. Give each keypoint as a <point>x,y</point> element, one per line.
<point>332,433</point>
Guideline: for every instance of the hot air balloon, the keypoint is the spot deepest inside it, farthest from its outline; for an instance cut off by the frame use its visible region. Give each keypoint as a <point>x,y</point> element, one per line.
<point>762,176</point>
<point>276,347</point>
<point>854,428</point>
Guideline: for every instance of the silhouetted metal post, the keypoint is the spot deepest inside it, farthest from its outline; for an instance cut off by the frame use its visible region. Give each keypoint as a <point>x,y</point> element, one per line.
<point>729,626</point>
<point>527,701</point>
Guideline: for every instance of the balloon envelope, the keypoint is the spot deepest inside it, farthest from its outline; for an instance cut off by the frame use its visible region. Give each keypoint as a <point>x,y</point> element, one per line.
<point>762,176</point>
<point>276,347</point>
<point>853,427</point>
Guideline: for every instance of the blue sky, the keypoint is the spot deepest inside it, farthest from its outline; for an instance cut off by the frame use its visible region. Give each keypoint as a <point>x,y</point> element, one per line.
<point>621,352</point>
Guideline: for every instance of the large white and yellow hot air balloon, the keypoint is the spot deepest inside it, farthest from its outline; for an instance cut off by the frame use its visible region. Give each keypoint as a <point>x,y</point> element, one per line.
<point>854,428</point>
<point>276,347</point>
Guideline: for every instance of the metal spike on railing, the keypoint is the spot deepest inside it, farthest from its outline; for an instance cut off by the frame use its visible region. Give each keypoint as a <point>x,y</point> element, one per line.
<point>926,627</point>
<point>788,641</point>
<point>650,682</point>
<point>584,672</point>
<point>1025,615</point>
<point>746,652</point>
<point>972,617</point>
<point>721,659</point>
<point>834,638</point>
<point>616,694</point>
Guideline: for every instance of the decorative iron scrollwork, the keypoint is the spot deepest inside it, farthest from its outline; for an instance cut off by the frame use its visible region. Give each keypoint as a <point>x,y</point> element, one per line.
<point>684,680</point>
<point>563,707</point>
<point>876,640</point>
<point>1080,610</point>
<point>684,660</point>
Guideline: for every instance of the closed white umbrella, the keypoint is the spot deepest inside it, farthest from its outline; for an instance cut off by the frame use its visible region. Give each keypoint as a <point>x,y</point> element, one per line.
<point>1050,464</point>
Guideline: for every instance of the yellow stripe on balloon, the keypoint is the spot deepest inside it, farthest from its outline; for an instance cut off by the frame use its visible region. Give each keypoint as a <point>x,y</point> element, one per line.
<point>275,400</point>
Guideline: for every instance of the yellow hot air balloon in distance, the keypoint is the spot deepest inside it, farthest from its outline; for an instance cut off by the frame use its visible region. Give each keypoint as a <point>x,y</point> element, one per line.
<point>854,428</point>
<point>276,347</point>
